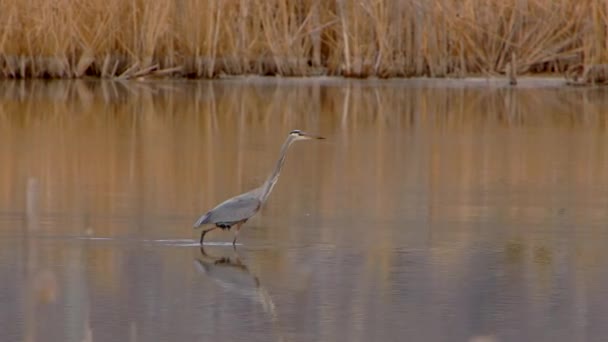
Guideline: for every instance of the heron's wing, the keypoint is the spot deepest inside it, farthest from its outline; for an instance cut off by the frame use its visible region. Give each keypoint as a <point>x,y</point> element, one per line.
<point>235,209</point>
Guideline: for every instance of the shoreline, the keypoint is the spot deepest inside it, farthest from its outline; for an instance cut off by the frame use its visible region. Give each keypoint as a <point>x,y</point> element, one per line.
<point>531,81</point>
<point>543,81</point>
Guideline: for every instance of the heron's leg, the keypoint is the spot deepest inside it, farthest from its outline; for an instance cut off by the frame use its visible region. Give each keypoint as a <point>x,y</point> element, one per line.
<point>236,232</point>
<point>205,232</point>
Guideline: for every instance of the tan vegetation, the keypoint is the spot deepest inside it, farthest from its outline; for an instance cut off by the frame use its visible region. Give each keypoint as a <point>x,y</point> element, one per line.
<point>385,38</point>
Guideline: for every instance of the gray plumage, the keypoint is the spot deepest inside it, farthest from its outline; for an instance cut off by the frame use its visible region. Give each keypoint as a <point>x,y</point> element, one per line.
<point>237,210</point>
<point>233,210</point>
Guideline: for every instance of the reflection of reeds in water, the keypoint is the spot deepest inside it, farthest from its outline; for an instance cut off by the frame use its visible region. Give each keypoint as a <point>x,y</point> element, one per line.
<point>173,142</point>
<point>122,158</point>
<point>45,38</point>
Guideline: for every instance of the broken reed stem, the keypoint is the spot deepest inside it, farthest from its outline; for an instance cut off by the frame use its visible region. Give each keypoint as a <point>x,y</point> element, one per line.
<point>384,38</point>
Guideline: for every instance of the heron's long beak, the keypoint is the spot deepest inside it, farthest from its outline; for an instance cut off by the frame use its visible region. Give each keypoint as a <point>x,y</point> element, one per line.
<point>311,136</point>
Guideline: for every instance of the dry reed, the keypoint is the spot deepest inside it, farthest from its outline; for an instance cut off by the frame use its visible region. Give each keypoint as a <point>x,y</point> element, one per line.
<point>384,38</point>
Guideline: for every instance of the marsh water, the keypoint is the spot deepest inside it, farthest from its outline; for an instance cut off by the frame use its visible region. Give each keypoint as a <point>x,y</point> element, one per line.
<point>430,212</point>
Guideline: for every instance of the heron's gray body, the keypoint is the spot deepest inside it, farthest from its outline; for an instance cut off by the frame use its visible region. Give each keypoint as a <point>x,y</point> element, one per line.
<point>232,211</point>
<point>237,210</point>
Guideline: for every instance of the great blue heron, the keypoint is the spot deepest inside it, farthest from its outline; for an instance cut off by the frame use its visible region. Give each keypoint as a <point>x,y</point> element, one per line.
<point>237,210</point>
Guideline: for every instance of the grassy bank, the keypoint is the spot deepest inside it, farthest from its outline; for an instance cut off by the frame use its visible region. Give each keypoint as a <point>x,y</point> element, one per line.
<point>385,38</point>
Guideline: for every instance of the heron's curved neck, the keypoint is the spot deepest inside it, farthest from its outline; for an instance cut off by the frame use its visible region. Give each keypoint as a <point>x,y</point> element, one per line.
<point>272,180</point>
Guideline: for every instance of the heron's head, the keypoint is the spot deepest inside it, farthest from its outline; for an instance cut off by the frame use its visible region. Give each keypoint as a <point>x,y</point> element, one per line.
<point>296,134</point>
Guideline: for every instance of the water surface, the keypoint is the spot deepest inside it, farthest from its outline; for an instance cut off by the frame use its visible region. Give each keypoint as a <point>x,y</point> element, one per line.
<point>429,214</point>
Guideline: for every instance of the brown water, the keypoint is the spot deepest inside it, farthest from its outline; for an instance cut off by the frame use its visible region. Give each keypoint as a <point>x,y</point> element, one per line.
<point>429,214</point>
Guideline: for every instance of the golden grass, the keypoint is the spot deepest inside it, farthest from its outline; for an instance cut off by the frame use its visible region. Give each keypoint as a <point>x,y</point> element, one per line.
<point>385,38</point>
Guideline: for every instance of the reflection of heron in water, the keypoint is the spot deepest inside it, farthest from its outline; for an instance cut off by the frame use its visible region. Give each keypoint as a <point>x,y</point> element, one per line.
<point>234,277</point>
<point>237,210</point>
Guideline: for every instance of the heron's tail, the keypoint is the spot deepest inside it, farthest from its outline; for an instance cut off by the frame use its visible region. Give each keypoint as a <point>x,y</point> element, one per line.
<point>202,220</point>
